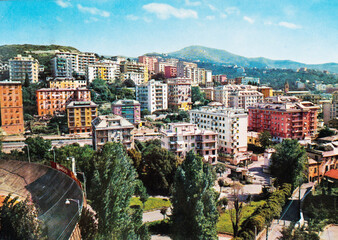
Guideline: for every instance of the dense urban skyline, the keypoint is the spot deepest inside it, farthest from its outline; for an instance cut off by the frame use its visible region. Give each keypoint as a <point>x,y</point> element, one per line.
<point>303,31</point>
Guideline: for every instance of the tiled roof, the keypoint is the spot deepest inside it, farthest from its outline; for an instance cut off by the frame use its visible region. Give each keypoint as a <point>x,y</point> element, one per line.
<point>333,173</point>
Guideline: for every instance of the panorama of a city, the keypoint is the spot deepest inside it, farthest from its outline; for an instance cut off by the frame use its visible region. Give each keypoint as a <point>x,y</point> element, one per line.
<point>168,120</point>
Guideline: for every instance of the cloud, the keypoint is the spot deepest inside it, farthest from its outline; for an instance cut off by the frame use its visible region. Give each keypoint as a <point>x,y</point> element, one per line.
<point>289,25</point>
<point>63,3</point>
<point>232,10</point>
<point>132,17</point>
<point>210,17</point>
<point>212,7</point>
<point>90,20</point>
<point>248,19</point>
<point>194,4</point>
<point>165,11</point>
<point>93,11</point>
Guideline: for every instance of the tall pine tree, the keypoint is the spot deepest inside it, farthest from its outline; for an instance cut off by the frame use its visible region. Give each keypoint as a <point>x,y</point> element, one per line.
<point>194,214</point>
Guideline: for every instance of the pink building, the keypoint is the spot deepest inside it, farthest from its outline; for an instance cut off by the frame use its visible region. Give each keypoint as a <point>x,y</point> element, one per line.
<point>220,78</point>
<point>180,138</point>
<point>148,61</point>
<point>170,72</point>
<point>129,109</point>
<point>284,117</point>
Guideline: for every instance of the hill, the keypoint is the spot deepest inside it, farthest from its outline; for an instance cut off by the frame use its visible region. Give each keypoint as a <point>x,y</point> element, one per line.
<point>41,52</point>
<point>217,56</point>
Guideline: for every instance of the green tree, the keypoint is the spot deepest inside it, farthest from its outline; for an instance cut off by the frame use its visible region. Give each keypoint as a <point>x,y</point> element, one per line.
<point>38,148</point>
<point>19,220</point>
<point>290,157</point>
<point>325,132</point>
<point>114,184</point>
<point>264,139</point>
<point>194,213</point>
<point>236,211</point>
<point>88,223</point>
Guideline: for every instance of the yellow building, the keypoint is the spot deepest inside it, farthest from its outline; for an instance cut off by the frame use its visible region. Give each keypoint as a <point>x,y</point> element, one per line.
<point>80,116</point>
<point>253,138</point>
<point>21,68</point>
<point>266,91</point>
<point>66,83</point>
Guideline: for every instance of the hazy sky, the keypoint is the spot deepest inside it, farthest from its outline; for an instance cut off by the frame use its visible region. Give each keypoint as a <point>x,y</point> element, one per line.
<point>300,30</point>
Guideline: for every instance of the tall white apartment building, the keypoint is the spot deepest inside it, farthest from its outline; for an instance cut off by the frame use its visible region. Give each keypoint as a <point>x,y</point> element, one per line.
<point>107,70</point>
<point>237,96</point>
<point>198,76</point>
<point>79,61</point>
<point>230,124</point>
<point>152,96</point>
<point>21,67</point>
<point>138,72</point>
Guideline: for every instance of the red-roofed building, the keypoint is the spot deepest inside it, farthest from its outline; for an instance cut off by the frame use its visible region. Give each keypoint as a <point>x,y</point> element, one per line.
<point>333,174</point>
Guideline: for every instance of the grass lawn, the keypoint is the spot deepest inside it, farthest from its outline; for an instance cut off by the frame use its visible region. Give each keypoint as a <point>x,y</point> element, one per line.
<point>151,203</point>
<point>224,222</point>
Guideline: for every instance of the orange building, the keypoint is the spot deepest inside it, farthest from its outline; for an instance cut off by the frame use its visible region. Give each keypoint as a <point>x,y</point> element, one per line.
<point>51,101</point>
<point>11,107</point>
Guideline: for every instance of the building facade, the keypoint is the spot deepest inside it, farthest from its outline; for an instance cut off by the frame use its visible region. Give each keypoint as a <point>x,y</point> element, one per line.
<point>108,71</point>
<point>112,128</point>
<point>62,67</point>
<point>53,101</point>
<point>60,82</point>
<point>179,94</point>
<point>284,117</point>
<point>149,62</point>
<point>138,72</point>
<point>170,72</point>
<point>11,107</point>
<point>180,138</point>
<point>152,96</point>
<point>79,61</point>
<point>80,115</point>
<point>129,109</point>
<point>21,68</point>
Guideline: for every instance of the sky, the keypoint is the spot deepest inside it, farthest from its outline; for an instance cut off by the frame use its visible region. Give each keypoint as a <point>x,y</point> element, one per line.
<point>299,30</point>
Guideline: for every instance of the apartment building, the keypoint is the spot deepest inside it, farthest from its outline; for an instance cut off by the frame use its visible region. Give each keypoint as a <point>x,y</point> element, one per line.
<point>179,94</point>
<point>11,107</point>
<point>79,61</point>
<point>129,109</point>
<point>52,101</point>
<point>170,72</point>
<point>180,138</point>
<point>62,82</point>
<point>138,72</point>
<point>284,117</point>
<point>222,79</point>
<point>80,115</point>
<point>266,91</point>
<point>238,96</point>
<point>209,93</point>
<point>152,96</point>
<point>230,124</point>
<point>112,128</point>
<point>105,70</point>
<point>62,67</point>
<point>149,62</point>
<point>21,68</point>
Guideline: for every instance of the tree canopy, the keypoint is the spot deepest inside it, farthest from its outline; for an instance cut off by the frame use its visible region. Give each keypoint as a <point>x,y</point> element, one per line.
<point>325,132</point>
<point>289,161</point>
<point>194,213</point>
<point>37,148</point>
<point>264,139</point>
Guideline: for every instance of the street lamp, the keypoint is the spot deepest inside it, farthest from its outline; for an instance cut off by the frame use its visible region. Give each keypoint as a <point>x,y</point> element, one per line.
<point>53,152</point>
<point>73,164</point>
<point>68,200</point>
<point>84,183</point>
<point>29,157</point>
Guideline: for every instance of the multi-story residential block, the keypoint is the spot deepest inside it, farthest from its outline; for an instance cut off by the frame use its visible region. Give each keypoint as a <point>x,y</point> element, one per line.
<point>250,81</point>
<point>129,109</point>
<point>266,91</point>
<point>60,82</point>
<point>180,138</point>
<point>80,115</point>
<point>152,96</point>
<point>105,70</point>
<point>237,96</point>
<point>230,124</point>
<point>62,67</point>
<point>323,158</point>
<point>149,62</point>
<point>284,117</point>
<point>112,128</point>
<point>51,101</point>
<point>170,72</point>
<point>222,79</point>
<point>145,134</point>
<point>138,72</point>
<point>179,94</point>
<point>21,68</point>
<point>11,107</point>
<point>79,61</point>
<point>209,93</point>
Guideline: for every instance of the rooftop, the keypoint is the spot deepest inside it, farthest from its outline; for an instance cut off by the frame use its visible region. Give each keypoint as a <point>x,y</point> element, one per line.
<point>333,173</point>
<point>111,122</point>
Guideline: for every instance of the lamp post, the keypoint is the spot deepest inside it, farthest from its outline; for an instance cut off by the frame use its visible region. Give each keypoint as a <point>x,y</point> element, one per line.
<point>84,183</point>
<point>73,164</point>
<point>29,157</point>
<point>53,152</point>
<point>68,200</point>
